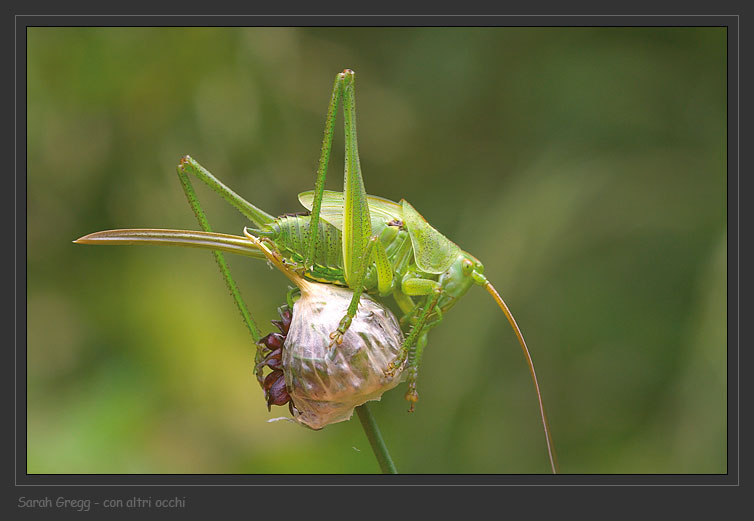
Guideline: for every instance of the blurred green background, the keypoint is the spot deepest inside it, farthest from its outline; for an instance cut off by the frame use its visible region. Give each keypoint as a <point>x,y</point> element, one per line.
<point>585,167</point>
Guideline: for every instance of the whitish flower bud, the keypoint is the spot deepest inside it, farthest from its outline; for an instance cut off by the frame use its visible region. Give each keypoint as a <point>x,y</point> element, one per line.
<point>321,390</point>
<point>326,391</point>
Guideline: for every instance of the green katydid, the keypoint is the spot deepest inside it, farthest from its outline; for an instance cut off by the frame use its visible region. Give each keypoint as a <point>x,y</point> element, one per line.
<point>366,243</point>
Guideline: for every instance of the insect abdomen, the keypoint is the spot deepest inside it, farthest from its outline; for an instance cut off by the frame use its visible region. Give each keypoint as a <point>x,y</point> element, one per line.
<point>292,237</point>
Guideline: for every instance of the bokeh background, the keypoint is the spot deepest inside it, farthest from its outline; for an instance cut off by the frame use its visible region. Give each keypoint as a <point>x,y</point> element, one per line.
<point>586,167</point>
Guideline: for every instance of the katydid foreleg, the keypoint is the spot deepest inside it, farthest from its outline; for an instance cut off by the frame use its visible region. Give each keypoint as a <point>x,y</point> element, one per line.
<point>417,337</point>
<point>414,359</point>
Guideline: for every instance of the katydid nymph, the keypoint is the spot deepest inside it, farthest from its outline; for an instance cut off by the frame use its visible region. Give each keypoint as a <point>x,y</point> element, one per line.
<point>351,239</point>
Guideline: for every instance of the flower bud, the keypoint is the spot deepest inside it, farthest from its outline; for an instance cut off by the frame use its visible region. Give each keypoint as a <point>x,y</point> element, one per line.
<point>322,389</point>
<point>326,391</point>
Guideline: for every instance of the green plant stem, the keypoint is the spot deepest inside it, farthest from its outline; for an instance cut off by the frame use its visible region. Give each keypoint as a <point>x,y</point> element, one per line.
<point>375,439</point>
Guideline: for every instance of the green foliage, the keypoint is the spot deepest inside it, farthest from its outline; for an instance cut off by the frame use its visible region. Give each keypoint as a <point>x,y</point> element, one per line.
<point>586,168</point>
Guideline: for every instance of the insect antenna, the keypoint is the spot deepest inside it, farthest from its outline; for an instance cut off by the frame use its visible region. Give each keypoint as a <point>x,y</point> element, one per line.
<point>550,450</point>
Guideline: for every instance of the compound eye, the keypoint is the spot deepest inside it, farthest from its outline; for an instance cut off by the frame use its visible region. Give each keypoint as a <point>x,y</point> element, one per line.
<point>467,267</point>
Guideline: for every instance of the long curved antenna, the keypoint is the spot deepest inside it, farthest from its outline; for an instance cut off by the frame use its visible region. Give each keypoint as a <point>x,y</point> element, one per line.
<point>550,450</point>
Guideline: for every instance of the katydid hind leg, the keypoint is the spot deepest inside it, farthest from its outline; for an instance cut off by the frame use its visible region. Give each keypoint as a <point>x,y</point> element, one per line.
<point>324,158</point>
<point>196,207</point>
<point>357,225</point>
<point>376,255</point>
<point>336,337</point>
<point>189,165</point>
<point>357,241</point>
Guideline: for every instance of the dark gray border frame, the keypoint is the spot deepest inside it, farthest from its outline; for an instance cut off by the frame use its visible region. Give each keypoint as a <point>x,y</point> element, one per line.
<point>176,485</point>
